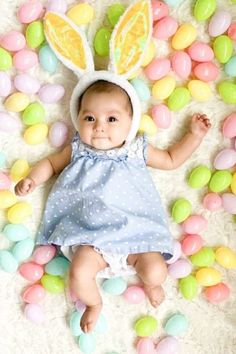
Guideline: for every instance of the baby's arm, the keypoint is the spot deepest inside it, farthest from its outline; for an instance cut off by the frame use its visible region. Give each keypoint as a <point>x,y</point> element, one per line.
<point>178,153</point>
<point>43,170</point>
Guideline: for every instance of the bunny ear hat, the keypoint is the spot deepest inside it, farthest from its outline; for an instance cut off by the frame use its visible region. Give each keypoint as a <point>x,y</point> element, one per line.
<point>128,43</point>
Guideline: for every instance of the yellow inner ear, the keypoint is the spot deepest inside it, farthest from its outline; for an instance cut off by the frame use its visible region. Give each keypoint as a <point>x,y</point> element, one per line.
<point>65,40</point>
<point>131,37</point>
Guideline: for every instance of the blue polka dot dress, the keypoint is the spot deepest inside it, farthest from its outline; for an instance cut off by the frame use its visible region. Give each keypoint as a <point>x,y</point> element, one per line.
<point>106,199</point>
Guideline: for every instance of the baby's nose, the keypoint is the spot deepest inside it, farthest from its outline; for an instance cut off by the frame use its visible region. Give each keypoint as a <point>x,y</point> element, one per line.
<point>99,126</point>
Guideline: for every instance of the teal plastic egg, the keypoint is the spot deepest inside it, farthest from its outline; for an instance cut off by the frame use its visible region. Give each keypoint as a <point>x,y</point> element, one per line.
<point>87,343</point>
<point>114,286</point>
<point>2,159</point>
<point>23,249</point>
<point>48,59</point>
<point>75,323</point>
<point>33,114</point>
<point>34,34</point>
<point>114,12</point>
<point>16,232</point>
<point>179,98</point>
<point>188,287</point>
<point>5,60</point>
<point>141,88</point>
<point>101,42</point>
<point>145,326</point>
<point>203,258</point>
<point>230,67</point>
<point>220,181</point>
<point>227,91</point>
<point>7,261</point>
<point>199,177</point>
<point>52,283</point>
<point>101,324</point>
<point>57,266</point>
<point>203,9</point>
<point>176,325</point>
<point>223,48</point>
<point>173,3</point>
<point>181,209</point>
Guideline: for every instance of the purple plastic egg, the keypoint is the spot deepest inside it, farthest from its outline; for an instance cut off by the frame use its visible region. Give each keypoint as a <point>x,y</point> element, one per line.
<point>26,83</point>
<point>5,181</point>
<point>194,224</point>
<point>145,346</point>
<point>181,64</point>
<point>30,11</point>
<point>229,126</point>
<point>161,115</point>
<point>43,254</point>
<point>13,41</point>
<point>5,84</point>
<point>225,159</point>
<point>9,123</point>
<point>25,59</point>
<point>165,28</point>
<point>157,69</point>
<point>168,345</point>
<point>179,269</point>
<point>51,93</point>
<point>200,52</point>
<point>58,134</point>
<point>134,294</point>
<point>219,23</point>
<point>176,252</point>
<point>229,202</point>
<point>34,313</point>
<point>56,6</point>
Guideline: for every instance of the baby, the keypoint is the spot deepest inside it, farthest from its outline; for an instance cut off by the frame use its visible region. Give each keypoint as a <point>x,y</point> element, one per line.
<point>104,205</point>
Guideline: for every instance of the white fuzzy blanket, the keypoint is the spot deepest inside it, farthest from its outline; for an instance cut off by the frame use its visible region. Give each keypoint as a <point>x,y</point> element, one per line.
<point>211,328</point>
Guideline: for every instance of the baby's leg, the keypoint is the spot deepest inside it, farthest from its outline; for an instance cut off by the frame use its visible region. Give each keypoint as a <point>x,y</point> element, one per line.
<point>86,263</point>
<point>152,270</point>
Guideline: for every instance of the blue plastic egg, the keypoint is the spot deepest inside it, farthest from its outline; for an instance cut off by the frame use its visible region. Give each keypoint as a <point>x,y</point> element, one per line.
<point>22,250</point>
<point>2,159</point>
<point>57,266</point>
<point>48,59</point>
<point>114,286</point>
<point>230,67</point>
<point>75,323</point>
<point>176,325</point>
<point>141,88</point>
<point>7,261</point>
<point>101,324</point>
<point>16,232</point>
<point>87,343</point>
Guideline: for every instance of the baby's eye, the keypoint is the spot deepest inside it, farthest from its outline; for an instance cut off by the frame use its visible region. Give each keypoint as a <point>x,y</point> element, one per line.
<point>112,119</point>
<point>89,119</point>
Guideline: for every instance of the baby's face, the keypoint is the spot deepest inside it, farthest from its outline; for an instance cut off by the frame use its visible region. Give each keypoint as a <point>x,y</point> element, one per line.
<point>104,120</point>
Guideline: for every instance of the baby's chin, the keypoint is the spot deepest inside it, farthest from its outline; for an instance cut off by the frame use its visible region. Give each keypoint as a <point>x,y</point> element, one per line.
<point>105,144</point>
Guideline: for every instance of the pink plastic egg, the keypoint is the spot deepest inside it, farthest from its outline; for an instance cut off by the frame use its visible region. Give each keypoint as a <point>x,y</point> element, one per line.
<point>229,126</point>
<point>206,71</point>
<point>212,201</point>
<point>56,6</point>
<point>58,134</point>
<point>43,254</point>
<point>194,224</point>
<point>157,69</point>
<point>191,244</point>
<point>5,84</point>
<point>200,52</point>
<point>26,83</point>
<point>165,28</point>
<point>34,313</point>
<point>161,115</point>
<point>229,202</point>
<point>217,293</point>
<point>30,11</point>
<point>5,181</point>
<point>168,345</point>
<point>145,346</point>
<point>51,93</point>
<point>219,23</point>
<point>176,252</point>
<point>225,159</point>
<point>159,10</point>
<point>34,294</point>
<point>180,269</point>
<point>232,31</point>
<point>13,41</point>
<point>31,271</point>
<point>25,59</point>
<point>181,64</point>
<point>134,294</point>
<point>8,123</point>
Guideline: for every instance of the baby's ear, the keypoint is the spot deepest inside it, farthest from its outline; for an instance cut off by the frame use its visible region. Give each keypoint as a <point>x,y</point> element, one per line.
<point>130,38</point>
<point>68,42</point>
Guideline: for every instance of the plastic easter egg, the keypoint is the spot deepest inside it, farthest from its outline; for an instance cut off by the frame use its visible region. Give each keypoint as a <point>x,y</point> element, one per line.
<point>149,54</point>
<point>227,91</point>
<point>219,23</point>
<point>19,212</point>
<point>199,90</point>
<point>57,266</point>
<point>226,158</point>
<point>223,48</point>
<point>81,14</point>
<point>188,287</point>
<point>233,184</point>
<point>75,323</point>
<point>33,114</point>
<point>208,276</point>
<point>205,257</point>
<point>181,209</point>
<point>220,181</point>
<point>168,345</point>
<point>145,346</point>
<point>203,9</point>
<point>145,326</point>
<point>34,34</point>
<point>184,36</point>
<point>48,59</point>
<point>59,6</point>
<point>199,177</point>
<point>212,201</point>
<point>101,324</point>
<point>79,305</point>
<point>16,232</point>
<point>173,3</point>
<point>36,134</point>
<point>8,123</point>
<point>157,69</point>
<point>134,294</point>
<point>5,60</point>
<point>200,52</point>
<point>101,42</point>
<point>5,181</point>
<point>162,116</point>
<point>29,11</point>
<point>87,343</point>
<point>163,88</point>
<point>34,313</point>
<point>7,199</point>
<point>176,325</point>
<point>181,64</point>
<point>206,71</point>
<point>180,269</point>
<point>226,257</point>
<point>25,59</point>
<point>31,271</point>
<point>52,283</point>
<point>114,286</point>
<point>43,254</point>
<point>34,294</point>
<point>26,83</point>
<point>23,249</point>
<point>147,125</point>
<point>217,293</point>
<point>51,93</point>
<point>179,98</point>
<point>230,67</point>
<point>141,89</point>
<point>194,224</point>
<point>13,41</point>
<point>58,134</point>
<point>7,262</point>
<point>191,244</point>
<point>176,252</point>
<point>159,10</point>
<point>165,28</point>
<point>2,159</point>
<point>19,170</point>
<point>232,31</point>
<point>5,84</point>
<point>16,102</point>
<point>114,12</point>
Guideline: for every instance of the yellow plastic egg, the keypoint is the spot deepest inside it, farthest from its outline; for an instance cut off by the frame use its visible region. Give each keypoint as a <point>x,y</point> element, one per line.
<point>163,88</point>
<point>208,276</point>
<point>149,55</point>
<point>36,134</point>
<point>81,14</point>
<point>19,170</point>
<point>233,184</point>
<point>7,199</point>
<point>184,36</point>
<point>199,90</point>
<point>226,257</point>
<point>19,212</point>
<point>147,125</point>
<point>17,102</point>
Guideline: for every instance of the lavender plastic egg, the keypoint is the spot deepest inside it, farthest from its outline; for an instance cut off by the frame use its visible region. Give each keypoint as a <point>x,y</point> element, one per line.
<point>56,6</point>
<point>194,224</point>
<point>168,345</point>
<point>34,313</point>
<point>179,269</point>
<point>5,84</point>
<point>229,202</point>
<point>176,252</point>
<point>9,123</point>
<point>219,23</point>
<point>51,93</point>
<point>26,83</point>
<point>13,41</point>
<point>225,159</point>
<point>5,181</point>
<point>25,59</point>
<point>58,134</point>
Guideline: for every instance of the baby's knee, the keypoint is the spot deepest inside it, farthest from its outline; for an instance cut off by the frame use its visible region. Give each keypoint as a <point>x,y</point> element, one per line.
<point>154,270</point>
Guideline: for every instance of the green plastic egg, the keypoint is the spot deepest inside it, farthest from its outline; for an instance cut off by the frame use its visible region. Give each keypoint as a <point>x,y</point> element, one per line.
<point>114,286</point>
<point>16,232</point>
<point>57,266</point>
<point>87,343</point>
<point>176,325</point>
<point>203,9</point>
<point>5,60</point>
<point>75,323</point>
<point>33,114</point>
<point>199,177</point>
<point>22,250</point>
<point>7,261</point>
<point>227,91</point>
<point>34,34</point>
<point>52,283</point>
<point>114,12</point>
<point>181,209</point>
<point>145,326</point>
<point>223,48</point>
<point>220,181</point>
<point>179,98</point>
<point>101,42</point>
<point>188,287</point>
<point>203,258</point>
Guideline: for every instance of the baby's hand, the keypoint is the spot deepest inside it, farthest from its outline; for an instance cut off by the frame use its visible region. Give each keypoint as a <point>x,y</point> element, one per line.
<point>200,125</point>
<point>25,186</point>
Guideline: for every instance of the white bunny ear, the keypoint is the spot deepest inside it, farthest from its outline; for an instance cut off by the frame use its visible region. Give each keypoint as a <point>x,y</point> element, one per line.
<point>130,38</point>
<point>68,42</point>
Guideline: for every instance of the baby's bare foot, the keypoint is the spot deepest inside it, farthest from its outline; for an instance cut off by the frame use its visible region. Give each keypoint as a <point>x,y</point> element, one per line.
<point>155,295</point>
<point>89,318</point>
